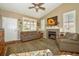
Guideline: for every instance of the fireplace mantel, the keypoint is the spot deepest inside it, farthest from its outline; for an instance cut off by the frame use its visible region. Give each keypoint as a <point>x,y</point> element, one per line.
<point>52,27</point>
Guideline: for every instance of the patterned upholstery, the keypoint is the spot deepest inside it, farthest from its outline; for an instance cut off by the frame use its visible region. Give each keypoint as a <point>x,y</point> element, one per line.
<point>71,36</point>
<point>70,42</point>
<point>75,37</point>
<point>30,35</point>
<point>45,52</point>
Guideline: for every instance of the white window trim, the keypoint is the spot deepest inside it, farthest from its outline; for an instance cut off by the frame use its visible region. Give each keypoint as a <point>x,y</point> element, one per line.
<point>29,20</point>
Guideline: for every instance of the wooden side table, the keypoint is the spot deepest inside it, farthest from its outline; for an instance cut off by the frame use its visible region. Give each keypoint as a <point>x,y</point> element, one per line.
<point>2,43</point>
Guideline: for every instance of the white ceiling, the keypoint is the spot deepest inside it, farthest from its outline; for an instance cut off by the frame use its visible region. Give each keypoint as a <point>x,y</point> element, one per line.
<point>23,8</point>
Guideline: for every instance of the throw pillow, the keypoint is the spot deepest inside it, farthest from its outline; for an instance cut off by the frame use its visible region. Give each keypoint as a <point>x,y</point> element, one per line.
<point>75,37</point>
<point>67,35</point>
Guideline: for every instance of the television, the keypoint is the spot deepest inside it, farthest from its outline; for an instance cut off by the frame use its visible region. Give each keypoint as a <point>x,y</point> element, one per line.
<point>52,21</point>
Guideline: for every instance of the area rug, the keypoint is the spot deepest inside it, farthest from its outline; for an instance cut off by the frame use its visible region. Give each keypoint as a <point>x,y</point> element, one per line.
<point>46,52</point>
<point>36,47</point>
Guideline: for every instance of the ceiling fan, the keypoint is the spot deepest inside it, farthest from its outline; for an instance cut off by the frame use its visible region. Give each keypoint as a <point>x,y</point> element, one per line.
<point>37,6</point>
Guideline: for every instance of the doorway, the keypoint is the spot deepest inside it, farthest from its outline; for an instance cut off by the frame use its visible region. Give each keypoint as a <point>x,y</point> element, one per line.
<point>11,28</point>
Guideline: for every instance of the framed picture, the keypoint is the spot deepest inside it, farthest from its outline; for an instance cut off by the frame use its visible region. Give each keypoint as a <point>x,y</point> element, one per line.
<point>52,21</point>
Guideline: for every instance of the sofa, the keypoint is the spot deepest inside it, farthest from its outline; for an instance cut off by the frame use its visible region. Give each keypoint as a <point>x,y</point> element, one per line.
<point>68,42</point>
<point>30,35</point>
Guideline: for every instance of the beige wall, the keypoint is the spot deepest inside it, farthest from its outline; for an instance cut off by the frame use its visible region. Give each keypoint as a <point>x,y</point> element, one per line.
<point>56,12</point>
<point>62,9</point>
<point>0,21</point>
<point>13,14</point>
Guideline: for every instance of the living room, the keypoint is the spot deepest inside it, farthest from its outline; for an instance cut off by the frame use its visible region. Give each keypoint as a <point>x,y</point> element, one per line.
<point>39,29</point>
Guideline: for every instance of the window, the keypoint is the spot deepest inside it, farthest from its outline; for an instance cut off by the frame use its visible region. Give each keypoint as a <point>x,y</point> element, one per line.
<point>69,22</point>
<point>29,25</point>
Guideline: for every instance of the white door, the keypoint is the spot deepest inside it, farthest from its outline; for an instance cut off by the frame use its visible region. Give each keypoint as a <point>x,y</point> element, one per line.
<point>10,27</point>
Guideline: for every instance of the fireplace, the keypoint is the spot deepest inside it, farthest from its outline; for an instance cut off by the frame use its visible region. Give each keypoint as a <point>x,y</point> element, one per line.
<point>52,33</point>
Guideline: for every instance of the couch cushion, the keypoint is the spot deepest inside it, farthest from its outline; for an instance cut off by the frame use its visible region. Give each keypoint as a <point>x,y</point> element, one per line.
<point>68,41</point>
<point>74,36</point>
<point>71,36</point>
<point>68,35</point>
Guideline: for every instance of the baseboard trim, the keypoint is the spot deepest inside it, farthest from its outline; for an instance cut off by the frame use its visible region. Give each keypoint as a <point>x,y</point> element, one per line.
<point>12,42</point>
<point>69,51</point>
<point>18,41</point>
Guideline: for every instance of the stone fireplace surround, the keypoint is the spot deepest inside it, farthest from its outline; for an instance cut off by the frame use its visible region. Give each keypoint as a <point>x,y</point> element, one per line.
<point>52,32</point>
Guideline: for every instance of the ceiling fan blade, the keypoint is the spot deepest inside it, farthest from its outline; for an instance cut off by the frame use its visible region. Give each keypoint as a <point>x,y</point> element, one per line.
<point>37,6</point>
<point>42,8</point>
<point>40,4</point>
<point>31,7</point>
<point>34,4</point>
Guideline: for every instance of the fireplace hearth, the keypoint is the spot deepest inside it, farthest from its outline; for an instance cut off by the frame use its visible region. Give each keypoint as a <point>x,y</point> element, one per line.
<point>52,33</point>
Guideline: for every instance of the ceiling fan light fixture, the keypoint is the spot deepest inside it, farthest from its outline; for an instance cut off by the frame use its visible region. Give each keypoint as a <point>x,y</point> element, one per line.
<point>37,6</point>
